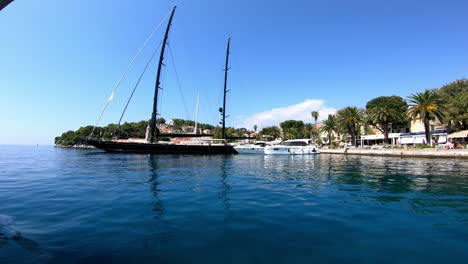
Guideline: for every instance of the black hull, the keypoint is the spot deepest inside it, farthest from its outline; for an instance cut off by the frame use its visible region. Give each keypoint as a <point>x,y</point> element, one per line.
<point>146,148</point>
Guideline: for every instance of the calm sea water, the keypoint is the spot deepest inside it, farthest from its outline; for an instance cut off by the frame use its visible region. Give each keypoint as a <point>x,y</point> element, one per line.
<point>87,206</point>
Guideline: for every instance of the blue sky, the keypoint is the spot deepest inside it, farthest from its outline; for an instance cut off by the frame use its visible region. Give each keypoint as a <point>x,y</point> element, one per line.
<point>60,59</point>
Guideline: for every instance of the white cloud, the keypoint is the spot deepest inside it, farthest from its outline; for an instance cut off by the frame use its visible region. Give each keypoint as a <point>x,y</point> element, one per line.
<point>274,117</point>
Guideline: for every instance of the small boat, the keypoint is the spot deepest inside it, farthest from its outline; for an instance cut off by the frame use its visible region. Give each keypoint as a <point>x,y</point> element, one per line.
<point>255,148</point>
<point>293,147</point>
<point>152,145</point>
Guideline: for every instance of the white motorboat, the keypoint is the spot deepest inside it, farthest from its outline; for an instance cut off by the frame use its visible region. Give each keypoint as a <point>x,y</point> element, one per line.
<point>293,147</point>
<point>255,148</point>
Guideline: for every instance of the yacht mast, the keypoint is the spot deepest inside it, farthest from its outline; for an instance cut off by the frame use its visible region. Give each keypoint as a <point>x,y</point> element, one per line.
<point>195,131</point>
<point>154,115</point>
<point>225,91</point>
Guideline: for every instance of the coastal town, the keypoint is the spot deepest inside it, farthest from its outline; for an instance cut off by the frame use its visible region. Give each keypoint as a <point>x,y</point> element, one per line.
<point>424,125</point>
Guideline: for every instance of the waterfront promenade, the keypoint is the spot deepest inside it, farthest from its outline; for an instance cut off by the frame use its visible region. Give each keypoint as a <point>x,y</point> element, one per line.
<point>398,152</point>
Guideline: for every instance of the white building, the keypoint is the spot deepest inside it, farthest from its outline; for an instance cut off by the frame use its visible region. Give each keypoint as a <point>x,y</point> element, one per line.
<point>415,138</point>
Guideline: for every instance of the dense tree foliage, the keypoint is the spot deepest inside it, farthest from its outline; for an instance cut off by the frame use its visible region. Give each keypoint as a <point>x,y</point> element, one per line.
<point>161,120</point>
<point>132,130</point>
<point>292,129</point>
<point>126,130</point>
<point>231,132</point>
<point>454,98</point>
<point>68,138</point>
<point>385,111</point>
<point>310,131</point>
<point>272,131</point>
<point>77,137</point>
<point>392,101</point>
<point>179,123</point>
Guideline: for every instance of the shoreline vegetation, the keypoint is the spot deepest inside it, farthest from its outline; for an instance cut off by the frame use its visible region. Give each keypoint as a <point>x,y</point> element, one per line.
<point>137,130</point>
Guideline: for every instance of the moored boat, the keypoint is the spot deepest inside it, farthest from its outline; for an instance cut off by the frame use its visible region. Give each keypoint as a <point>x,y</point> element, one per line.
<point>255,148</point>
<point>293,147</point>
<point>207,148</point>
<point>150,145</point>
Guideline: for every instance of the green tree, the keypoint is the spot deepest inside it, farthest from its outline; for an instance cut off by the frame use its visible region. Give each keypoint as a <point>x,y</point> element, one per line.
<point>68,138</point>
<point>272,131</point>
<point>293,128</point>
<point>350,118</point>
<point>161,120</point>
<point>426,107</point>
<point>383,111</point>
<point>179,123</point>
<point>255,128</point>
<point>218,132</point>
<point>309,130</point>
<point>231,132</point>
<point>329,126</point>
<point>454,98</point>
<point>84,132</point>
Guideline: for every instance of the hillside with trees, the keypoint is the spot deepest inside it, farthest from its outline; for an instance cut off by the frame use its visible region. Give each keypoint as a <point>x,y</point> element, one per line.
<point>137,130</point>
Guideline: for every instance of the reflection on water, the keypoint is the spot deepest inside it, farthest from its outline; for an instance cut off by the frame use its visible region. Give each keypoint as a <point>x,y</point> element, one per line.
<point>289,164</point>
<point>154,184</point>
<point>384,179</point>
<point>224,186</point>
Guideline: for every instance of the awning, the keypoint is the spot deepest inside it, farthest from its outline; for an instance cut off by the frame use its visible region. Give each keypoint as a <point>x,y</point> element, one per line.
<point>459,134</point>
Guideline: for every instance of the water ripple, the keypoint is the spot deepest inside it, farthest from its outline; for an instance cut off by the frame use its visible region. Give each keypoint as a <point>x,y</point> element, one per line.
<point>86,206</point>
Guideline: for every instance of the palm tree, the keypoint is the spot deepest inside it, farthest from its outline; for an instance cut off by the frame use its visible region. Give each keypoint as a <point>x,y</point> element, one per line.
<point>329,126</point>
<point>309,130</point>
<point>315,115</point>
<point>384,116</point>
<point>255,128</point>
<point>350,117</point>
<point>289,135</point>
<point>425,106</point>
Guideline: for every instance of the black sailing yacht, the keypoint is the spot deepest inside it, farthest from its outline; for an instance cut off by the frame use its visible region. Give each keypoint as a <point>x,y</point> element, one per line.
<point>152,147</point>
